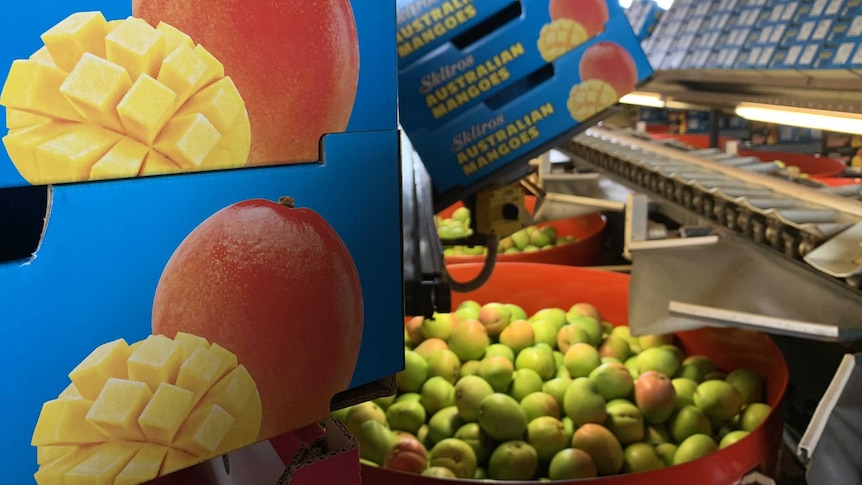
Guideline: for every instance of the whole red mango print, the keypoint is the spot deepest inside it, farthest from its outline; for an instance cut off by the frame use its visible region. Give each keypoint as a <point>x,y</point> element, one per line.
<point>591,14</point>
<point>295,63</point>
<point>611,63</point>
<point>277,285</point>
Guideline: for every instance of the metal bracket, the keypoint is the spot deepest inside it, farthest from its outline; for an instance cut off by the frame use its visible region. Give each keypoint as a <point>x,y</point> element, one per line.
<point>641,235</point>
<point>559,206</point>
<point>828,446</point>
<point>695,316</point>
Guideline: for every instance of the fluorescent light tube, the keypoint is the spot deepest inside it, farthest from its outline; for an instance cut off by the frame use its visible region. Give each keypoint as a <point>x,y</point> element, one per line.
<point>802,117</point>
<point>640,98</point>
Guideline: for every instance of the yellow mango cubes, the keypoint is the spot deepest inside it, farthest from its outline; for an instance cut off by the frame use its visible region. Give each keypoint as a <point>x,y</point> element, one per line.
<point>119,99</point>
<point>559,37</point>
<point>590,97</point>
<point>136,412</point>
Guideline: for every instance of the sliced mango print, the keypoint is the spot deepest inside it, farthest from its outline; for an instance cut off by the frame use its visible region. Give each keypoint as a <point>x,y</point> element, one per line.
<point>120,99</point>
<point>589,98</point>
<point>136,412</point>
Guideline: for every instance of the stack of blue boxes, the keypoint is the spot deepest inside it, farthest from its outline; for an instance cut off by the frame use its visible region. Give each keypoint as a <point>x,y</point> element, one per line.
<point>484,83</point>
<point>644,15</point>
<point>807,35</point>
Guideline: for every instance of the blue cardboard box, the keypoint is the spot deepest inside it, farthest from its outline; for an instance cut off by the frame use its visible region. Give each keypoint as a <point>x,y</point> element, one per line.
<point>72,71</point>
<point>748,17</point>
<point>825,58</point>
<point>845,30</point>
<point>822,30</point>
<point>819,8</point>
<point>800,34</point>
<point>765,36</point>
<point>809,55</point>
<point>422,25</point>
<point>776,13</point>
<point>734,54</point>
<point>855,61</point>
<point>850,9</point>
<point>843,56</point>
<point>165,320</point>
<point>644,16</point>
<point>777,34</point>
<point>455,78</point>
<point>766,56</point>
<point>788,14</point>
<point>521,121</point>
<point>727,5</point>
<point>792,57</point>
<point>841,8</point>
<point>778,58</point>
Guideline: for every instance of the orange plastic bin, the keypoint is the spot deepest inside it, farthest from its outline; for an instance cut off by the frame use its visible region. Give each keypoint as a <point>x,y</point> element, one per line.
<point>814,165</point>
<point>586,250</point>
<point>537,286</point>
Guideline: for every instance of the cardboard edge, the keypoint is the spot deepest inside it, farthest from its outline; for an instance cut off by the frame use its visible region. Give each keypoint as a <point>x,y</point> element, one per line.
<point>336,441</point>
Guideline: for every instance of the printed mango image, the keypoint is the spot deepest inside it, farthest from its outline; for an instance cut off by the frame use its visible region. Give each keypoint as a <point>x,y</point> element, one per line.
<point>135,412</point>
<point>607,72</point>
<point>559,37</point>
<point>120,99</point>
<point>573,22</point>
<point>590,97</point>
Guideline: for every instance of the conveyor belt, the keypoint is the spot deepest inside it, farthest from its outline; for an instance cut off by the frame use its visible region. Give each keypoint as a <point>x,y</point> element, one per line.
<point>737,193</point>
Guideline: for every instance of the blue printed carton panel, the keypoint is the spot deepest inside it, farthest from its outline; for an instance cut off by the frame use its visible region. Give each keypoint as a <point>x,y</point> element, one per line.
<point>648,19</point>
<point>175,310</point>
<point>153,87</point>
<point>821,8</point>
<point>855,61</point>
<point>454,78</point>
<point>822,30</point>
<point>731,57</point>
<point>808,56</point>
<point>698,59</point>
<point>171,320</point>
<point>778,34</point>
<point>742,37</point>
<point>424,25</point>
<point>789,11</point>
<point>824,58</point>
<point>727,5</point>
<point>845,30</point>
<point>809,31</point>
<point>843,56</point>
<point>790,58</point>
<point>749,17</point>
<point>747,58</point>
<point>766,55</point>
<point>809,10</point>
<point>764,37</point>
<point>512,125</point>
<point>778,58</point>
<point>841,8</point>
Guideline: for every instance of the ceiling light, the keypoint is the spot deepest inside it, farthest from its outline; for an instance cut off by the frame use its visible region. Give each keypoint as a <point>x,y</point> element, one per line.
<point>802,117</point>
<point>641,98</point>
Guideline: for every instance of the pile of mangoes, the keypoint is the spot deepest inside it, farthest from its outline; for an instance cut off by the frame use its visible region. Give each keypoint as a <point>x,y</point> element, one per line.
<point>491,392</point>
<point>527,240</point>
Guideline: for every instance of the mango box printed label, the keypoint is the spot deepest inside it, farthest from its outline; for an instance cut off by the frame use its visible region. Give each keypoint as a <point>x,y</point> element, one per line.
<point>424,25</point>
<point>586,81</point>
<point>168,320</point>
<point>94,90</point>
<point>452,79</point>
